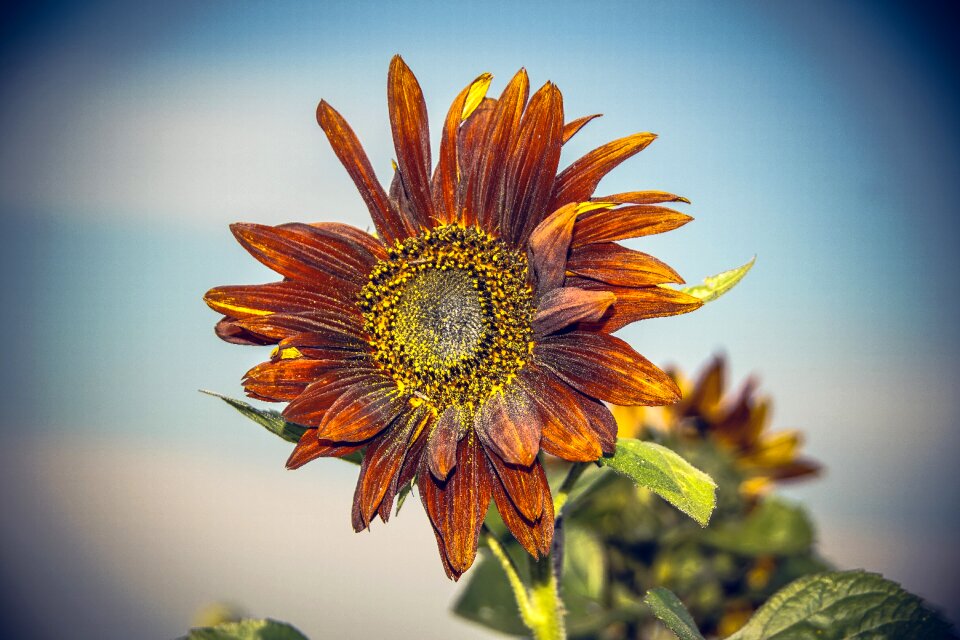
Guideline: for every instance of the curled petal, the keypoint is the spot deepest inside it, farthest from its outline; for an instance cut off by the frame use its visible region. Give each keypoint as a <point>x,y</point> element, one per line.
<point>310,448</point>
<point>607,368</point>
<point>606,225</point>
<point>522,484</point>
<point>609,262</point>
<point>565,306</point>
<point>509,424</point>
<point>535,535</point>
<point>229,330</point>
<point>441,450</point>
<point>389,223</point>
<point>577,182</point>
<point>642,197</point>
<point>548,247</point>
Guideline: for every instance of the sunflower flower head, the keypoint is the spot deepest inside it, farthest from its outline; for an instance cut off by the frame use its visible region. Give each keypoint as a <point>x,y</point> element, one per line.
<point>473,331</point>
<point>739,423</point>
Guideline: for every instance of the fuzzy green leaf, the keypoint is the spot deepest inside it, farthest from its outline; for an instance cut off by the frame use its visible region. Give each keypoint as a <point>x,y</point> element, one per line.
<point>715,286</point>
<point>775,527</point>
<point>668,475</point>
<point>247,630</point>
<point>844,605</point>
<point>273,422</point>
<point>671,612</point>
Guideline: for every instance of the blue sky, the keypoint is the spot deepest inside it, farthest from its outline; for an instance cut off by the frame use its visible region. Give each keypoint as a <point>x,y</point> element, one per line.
<point>822,138</point>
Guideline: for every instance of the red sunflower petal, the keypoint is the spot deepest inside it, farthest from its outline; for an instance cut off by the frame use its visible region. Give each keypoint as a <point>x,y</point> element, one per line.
<point>609,262</point>
<point>441,453</point>
<point>447,174</point>
<point>509,424</point>
<point>305,253</point>
<point>567,428</point>
<point>312,405</point>
<point>606,225</point>
<point>246,301</point>
<point>381,463</point>
<point>486,184</point>
<point>636,304</point>
<point>335,317</point>
<point>411,138</point>
<point>607,368</point>
<point>573,127</point>
<point>533,164</point>
<point>578,181</point>
<point>564,306</point>
<point>362,411</point>
<point>536,535</point>
<point>284,380</point>
<point>389,223</point>
<point>310,448</point>
<point>457,507</point>
<point>548,247</point>
<point>469,152</point>
<point>522,485</point>
<point>229,330</point>
<point>641,197</point>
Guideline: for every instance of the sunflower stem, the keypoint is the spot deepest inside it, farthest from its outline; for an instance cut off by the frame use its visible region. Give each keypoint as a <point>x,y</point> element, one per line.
<point>527,613</point>
<point>563,493</point>
<point>545,598</point>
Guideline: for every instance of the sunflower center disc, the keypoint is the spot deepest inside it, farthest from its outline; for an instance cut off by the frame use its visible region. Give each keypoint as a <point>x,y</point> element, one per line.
<point>448,315</point>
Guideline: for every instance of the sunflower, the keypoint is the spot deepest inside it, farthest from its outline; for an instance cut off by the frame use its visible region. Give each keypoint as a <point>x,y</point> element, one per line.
<point>474,329</point>
<point>738,423</point>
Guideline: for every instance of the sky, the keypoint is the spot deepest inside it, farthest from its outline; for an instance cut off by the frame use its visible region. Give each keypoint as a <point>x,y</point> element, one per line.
<point>820,137</point>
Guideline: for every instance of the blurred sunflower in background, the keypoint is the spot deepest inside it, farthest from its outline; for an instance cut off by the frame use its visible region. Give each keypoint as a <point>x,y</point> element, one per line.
<point>737,423</point>
<point>621,541</point>
<point>473,331</point>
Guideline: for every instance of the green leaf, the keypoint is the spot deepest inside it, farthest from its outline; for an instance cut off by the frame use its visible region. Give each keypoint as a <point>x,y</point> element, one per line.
<point>487,600</point>
<point>668,475</point>
<point>775,527</point>
<point>715,286</point>
<point>671,612</point>
<point>273,422</point>
<point>844,605</point>
<point>247,630</point>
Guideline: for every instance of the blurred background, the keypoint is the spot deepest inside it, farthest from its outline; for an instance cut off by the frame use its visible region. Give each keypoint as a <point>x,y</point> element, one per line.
<point>821,136</point>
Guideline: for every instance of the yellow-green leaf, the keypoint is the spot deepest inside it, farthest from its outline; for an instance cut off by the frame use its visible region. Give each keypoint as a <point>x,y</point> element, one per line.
<point>668,475</point>
<point>715,286</point>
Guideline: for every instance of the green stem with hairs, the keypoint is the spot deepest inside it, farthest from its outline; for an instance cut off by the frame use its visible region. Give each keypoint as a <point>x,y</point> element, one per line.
<point>540,606</point>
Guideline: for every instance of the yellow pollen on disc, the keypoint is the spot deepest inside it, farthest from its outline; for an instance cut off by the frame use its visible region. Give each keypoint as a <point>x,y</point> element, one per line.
<point>448,315</point>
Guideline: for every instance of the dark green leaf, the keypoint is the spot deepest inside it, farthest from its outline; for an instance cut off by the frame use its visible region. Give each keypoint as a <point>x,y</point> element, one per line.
<point>844,605</point>
<point>247,630</point>
<point>667,474</point>
<point>273,422</point>
<point>775,527</point>
<point>267,418</point>
<point>488,600</point>
<point>671,612</point>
